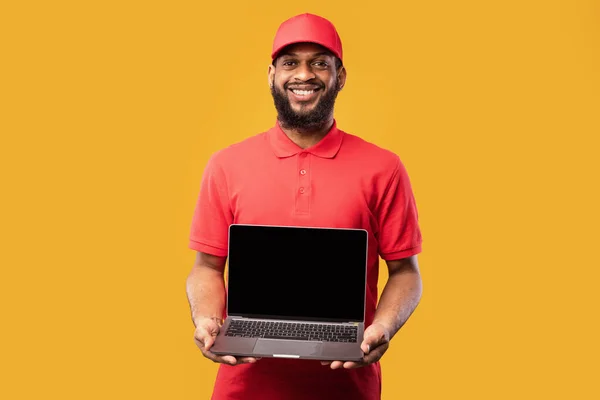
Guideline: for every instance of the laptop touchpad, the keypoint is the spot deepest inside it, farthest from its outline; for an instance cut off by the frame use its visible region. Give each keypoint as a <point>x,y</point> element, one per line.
<point>287,347</point>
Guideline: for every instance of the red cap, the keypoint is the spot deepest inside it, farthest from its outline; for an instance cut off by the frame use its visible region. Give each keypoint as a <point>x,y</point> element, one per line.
<point>307,28</point>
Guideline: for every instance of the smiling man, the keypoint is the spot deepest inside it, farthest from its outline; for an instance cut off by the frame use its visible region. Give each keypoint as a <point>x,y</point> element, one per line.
<point>304,96</point>
<point>305,171</point>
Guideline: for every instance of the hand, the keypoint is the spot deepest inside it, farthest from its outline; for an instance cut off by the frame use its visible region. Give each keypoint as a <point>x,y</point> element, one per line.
<point>376,341</point>
<point>207,330</point>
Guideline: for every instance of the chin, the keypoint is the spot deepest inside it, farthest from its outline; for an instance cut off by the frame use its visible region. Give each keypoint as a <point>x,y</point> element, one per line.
<point>303,109</point>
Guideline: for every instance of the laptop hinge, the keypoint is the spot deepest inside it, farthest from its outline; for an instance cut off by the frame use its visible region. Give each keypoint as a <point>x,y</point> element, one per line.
<point>323,322</point>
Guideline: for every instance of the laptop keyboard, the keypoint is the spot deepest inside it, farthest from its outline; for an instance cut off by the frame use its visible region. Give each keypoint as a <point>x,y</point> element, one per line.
<point>292,331</point>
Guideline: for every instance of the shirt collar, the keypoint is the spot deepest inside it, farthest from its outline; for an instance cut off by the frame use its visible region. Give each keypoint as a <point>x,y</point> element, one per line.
<point>327,147</point>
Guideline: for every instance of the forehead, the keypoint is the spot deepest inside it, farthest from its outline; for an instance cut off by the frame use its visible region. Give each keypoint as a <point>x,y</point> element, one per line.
<point>305,50</point>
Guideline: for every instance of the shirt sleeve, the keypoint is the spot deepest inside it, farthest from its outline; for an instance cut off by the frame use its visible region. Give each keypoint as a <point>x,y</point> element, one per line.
<point>212,215</point>
<point>399,232</point>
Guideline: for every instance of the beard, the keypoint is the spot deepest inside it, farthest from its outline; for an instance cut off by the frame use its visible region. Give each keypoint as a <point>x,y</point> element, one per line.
<point>310,120</point>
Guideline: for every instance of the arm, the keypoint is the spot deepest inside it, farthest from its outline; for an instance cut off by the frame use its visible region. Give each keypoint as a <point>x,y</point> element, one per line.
<point>205,287</point>
<point>400,296</point>
<point>206,295</point>
<point>398,236</point>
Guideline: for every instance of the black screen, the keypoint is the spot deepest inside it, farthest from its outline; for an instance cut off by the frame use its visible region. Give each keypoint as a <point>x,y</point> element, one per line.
<point>297,273</point>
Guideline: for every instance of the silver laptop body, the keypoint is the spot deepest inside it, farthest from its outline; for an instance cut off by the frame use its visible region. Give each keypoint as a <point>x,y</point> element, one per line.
<point>295,292</point>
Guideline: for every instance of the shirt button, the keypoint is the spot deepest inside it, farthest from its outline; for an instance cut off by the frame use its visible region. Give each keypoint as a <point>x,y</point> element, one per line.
<point>302,172</point>
<point>303,155</point>
<point>301,190</point>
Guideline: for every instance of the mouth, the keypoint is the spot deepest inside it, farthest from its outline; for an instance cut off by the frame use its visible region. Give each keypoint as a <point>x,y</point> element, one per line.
<point>300,94</point>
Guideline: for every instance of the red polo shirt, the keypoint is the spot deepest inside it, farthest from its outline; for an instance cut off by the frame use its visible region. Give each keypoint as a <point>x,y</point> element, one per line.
<point>342,181</point>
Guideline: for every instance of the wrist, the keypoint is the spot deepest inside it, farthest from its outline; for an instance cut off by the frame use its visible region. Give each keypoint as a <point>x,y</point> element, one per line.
<point>197,319</point>
<point>387,328</point>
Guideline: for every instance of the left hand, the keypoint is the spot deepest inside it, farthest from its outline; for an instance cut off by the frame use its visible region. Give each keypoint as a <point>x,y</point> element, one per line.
<point>376,341</point>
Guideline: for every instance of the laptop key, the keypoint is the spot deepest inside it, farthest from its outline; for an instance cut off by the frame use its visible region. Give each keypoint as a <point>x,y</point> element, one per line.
<point>286,337</point>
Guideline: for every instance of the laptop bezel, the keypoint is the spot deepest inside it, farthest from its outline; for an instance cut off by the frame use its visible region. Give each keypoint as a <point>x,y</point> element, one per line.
<point>295,318</point>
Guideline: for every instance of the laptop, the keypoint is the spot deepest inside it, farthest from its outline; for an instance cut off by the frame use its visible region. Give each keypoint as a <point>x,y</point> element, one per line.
<point>295,292</point>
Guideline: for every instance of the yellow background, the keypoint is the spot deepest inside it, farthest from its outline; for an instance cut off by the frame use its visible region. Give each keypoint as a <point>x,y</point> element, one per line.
<point>110,110</point>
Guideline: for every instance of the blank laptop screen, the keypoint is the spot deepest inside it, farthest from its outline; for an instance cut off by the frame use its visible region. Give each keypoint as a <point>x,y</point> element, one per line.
<point>297,273</point>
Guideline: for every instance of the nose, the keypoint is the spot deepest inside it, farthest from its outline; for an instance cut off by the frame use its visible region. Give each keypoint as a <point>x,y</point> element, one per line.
<point>304,72</point>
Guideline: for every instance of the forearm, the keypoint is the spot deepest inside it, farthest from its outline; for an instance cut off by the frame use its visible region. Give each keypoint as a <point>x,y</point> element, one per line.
<point>206,293</point>
<point>399,299</point>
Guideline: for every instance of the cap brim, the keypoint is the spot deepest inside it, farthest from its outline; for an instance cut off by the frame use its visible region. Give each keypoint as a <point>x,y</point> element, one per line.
<point>282,47</point>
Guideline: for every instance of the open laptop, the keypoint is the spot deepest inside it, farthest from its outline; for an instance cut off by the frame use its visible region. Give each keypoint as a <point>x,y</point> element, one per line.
<point>295,292</point>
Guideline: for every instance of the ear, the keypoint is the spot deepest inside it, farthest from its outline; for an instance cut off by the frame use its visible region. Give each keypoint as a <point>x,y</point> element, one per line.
<point>341,78</point>
<point>271,75</point>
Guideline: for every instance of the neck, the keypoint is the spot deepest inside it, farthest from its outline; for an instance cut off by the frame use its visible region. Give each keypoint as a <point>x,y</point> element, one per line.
<point>308,137</point>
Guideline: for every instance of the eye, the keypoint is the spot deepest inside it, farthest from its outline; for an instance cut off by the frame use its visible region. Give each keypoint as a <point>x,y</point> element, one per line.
<point>288,63</point>
<point>321,64</point>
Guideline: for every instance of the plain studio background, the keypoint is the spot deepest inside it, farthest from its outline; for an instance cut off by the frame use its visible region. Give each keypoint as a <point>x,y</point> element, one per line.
<point>109,111</point>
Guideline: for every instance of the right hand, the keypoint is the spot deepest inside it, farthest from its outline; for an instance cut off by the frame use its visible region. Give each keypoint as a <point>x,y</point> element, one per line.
<point>207,330</point>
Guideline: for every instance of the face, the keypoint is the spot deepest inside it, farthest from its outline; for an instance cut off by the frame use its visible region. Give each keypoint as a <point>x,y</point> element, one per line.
<point>304,84</point>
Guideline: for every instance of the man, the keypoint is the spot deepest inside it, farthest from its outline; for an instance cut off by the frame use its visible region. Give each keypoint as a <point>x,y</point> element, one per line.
<point>306,172</point>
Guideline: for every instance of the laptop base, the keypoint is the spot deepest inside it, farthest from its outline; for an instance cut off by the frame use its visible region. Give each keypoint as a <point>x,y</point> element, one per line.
<point>283,348</point>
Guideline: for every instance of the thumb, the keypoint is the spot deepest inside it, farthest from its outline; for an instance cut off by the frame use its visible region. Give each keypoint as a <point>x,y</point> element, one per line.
<point>204,337</point>
<point>208,341</point>
<point>210,333</point>
<point>365,346</point>
<point>370,341</point>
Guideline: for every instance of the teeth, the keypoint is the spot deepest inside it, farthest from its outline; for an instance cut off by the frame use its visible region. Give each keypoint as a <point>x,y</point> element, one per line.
<point>303,92</point>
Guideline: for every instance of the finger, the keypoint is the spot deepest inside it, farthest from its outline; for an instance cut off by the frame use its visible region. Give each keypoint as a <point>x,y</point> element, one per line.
<point>375,354</point>
<point>372,341</point>
<point>325,362</point>
<point>231,360</point>
<point>200,337</point>
<point>204,343</point>
<point>208,342</point>
<point>247,360</point>
<point>336,364</point>
<point>212,356</point>
<point>365,347</point>
<point>353,364</point>
<point>203,339</point>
